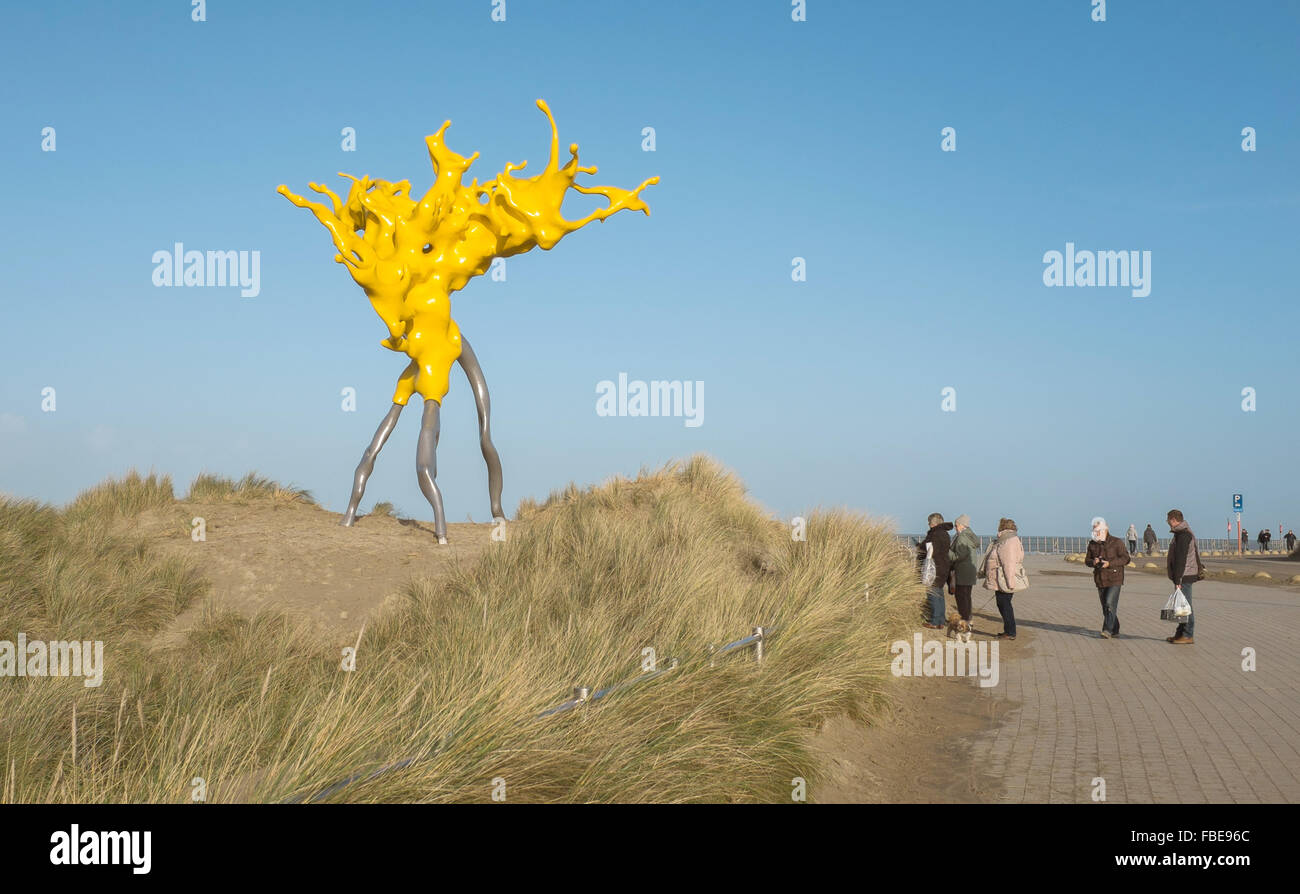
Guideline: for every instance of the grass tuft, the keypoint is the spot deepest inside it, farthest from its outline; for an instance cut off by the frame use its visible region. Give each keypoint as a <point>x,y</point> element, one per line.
<point>384,508</point>
<point>128,496</point>
<point>212,488</point>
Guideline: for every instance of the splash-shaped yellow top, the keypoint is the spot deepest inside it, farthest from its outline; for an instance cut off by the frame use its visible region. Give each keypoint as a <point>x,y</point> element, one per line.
<point>410,255</point>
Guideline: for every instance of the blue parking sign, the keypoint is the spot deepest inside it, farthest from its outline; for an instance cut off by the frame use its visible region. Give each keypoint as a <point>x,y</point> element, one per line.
<point>1236,502</point>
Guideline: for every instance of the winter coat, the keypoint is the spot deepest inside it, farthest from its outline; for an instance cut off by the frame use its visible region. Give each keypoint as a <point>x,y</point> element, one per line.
<point>1111,550</point>
<point>1184,558</point>
<point>964,548</point>
<point>1149,536</point>
<point>1012,553</point>
<point>1133,533</point>
<point>938,535</point>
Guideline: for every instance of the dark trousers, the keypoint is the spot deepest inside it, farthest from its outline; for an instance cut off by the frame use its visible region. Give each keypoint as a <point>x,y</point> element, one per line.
<point>1187,627</point>
<point>1109,597</point>
<point>962,594</point>
<point>1132,547</point>
<point>1005,610</point>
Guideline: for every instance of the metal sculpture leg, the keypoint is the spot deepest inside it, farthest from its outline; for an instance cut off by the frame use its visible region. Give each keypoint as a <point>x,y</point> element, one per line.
<point>426,466</point>
<point>367,464</point>
<point>469,363</point>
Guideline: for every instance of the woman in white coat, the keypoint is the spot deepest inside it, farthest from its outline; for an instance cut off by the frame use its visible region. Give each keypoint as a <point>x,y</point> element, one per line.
<point>1004,573</point>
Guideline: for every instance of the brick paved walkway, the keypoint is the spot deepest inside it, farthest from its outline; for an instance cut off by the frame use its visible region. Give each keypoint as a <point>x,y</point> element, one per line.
<point>1159,723</point>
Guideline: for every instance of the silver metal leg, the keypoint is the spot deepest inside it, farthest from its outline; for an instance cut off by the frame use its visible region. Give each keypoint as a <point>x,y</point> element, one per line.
<point>426,466</point>
<point>367,464</point>
<point>469,363</point>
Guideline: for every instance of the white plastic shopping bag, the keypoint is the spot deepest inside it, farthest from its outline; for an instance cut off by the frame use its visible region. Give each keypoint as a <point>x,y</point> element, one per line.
<point>1177,608</point>
<point>928,571</point>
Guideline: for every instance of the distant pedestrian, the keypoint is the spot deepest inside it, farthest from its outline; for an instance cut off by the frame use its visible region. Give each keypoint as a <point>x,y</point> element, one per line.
<point>1132,539</point>
<point>1184,569</point>
<point>1107,558</point>
<point>1290,541</point>
<point>1004,573</point>
<point>940,544</point>
<point>1265,538</point>
<point>1149,538</point>
<point>964,547</point>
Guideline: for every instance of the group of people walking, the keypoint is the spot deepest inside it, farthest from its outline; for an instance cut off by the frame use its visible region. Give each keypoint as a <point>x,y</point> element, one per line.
<point>958,567</point>
<point>1264,538</point>
<point>1149,539</point>
<point>1002,568</point>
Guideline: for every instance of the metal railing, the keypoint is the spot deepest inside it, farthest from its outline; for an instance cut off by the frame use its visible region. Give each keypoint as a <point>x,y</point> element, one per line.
<point>1047,545</point>
<point>1031,543</point>
<point>581,695</point>
<point>1276,547</point>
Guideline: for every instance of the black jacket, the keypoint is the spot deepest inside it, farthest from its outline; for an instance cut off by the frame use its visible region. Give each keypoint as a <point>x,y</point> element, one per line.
<point>1176,560</point>
<point>938,535</point>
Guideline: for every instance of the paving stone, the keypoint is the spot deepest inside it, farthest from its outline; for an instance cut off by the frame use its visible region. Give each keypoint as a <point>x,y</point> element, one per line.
<point>1160,723</point>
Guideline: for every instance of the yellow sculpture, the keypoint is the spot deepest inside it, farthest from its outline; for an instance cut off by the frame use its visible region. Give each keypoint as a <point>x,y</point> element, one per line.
<point>409,256</point>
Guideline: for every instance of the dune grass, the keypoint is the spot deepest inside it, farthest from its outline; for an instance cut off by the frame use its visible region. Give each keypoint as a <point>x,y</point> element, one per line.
<point>454,672</point>
<point>210,488</point>
<point>126,496</point>
<point>72,575</point>
<point>384,508</point>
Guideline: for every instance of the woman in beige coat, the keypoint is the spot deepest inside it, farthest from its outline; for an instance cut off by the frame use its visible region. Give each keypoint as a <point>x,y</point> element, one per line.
<point>1004,565</point>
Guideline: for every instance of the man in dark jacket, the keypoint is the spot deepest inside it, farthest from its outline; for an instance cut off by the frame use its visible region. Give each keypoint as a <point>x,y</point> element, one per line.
<point>1184,567</point>
<point>1265,538</point>
<point>1290,541</point>
<point>940,543</point>
<point>1149,538</point>
<point>1107,556</point>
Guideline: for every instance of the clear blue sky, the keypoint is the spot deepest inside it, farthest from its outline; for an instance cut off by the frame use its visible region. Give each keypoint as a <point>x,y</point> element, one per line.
<point>775,140</point>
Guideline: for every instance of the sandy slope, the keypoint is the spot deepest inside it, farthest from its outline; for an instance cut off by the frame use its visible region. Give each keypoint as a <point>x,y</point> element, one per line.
<point>298,559</point>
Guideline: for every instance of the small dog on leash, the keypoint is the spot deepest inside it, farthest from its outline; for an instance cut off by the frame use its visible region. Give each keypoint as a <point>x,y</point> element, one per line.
<point>959,629</point>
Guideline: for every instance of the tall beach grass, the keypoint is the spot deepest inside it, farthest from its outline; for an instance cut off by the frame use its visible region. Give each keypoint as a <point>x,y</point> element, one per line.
<point>453,673</point>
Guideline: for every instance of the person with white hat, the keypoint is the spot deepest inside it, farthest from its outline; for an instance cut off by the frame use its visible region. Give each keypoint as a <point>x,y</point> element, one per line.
<point>1107,557</point>
<point>964,547</point>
